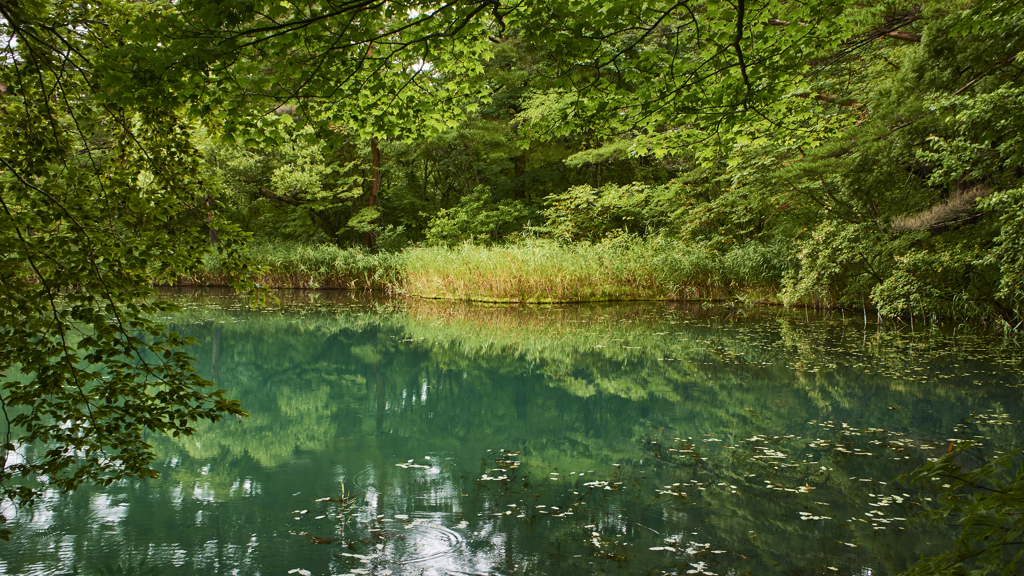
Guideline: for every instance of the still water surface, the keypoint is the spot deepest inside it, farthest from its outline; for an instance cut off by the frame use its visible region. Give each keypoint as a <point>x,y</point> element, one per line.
<point>414,438</point>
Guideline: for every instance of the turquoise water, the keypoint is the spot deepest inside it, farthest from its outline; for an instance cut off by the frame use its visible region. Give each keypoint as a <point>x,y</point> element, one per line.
<point>392,437</point>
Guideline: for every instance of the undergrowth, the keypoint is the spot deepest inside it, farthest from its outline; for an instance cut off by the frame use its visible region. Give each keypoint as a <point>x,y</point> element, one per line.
<point>623,268</point>
<point>297,265</point>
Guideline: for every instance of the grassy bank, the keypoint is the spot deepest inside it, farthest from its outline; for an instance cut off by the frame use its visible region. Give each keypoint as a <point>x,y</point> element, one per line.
<point>626,268</point>
<point>316,266</point>
<point>621,269</point>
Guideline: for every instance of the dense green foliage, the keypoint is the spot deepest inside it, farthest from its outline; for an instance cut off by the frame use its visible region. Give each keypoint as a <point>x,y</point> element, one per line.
<point>98,198</point>
<point>872,151</point>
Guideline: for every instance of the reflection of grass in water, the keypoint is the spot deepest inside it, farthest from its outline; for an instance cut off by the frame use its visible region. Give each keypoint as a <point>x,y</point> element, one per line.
<point>480,327</point>
<point>664,348</point>
<point>669,349</point>
<point>717,358</point>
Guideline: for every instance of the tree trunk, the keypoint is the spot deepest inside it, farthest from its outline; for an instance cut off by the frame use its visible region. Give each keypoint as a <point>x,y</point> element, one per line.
<point>381,397</point>
<point>519,168</point>
<point>209,221</point>
<point>375,187</point>
<point>908,36</point>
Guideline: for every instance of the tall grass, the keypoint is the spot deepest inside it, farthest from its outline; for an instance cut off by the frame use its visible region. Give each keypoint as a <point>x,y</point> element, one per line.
<point>624,268</point>
<point>296,265</point>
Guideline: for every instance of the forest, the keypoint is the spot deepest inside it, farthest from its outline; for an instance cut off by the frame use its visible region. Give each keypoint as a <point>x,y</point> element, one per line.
<point>869,158</point>
<point>839,154</point>
<point>866,156</point>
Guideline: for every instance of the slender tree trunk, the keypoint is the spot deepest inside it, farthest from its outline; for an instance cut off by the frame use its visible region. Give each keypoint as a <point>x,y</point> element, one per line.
<point>510,557</point>
<point>906,36</point>
<point>375,161</point>
<point>519,168</point>
<point>209,221</point>
<point>375,187</point>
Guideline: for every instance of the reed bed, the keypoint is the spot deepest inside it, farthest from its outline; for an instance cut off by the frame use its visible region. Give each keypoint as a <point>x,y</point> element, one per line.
<point>316,266</point>
<point>626,268</point>
<point>540,271</point>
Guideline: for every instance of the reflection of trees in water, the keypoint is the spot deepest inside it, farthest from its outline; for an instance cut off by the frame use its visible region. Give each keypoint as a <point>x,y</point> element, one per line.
<point>338,397</point>
<point>634,353</point>
<point>404,517</point>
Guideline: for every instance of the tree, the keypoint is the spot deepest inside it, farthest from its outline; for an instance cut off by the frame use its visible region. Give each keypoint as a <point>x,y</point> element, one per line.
<point>307,188</point>
<point>674,74</point>
<point>98,199</point>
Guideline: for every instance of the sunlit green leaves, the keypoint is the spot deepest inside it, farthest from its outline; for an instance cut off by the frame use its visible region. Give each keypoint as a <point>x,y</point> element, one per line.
<point>98,194</point>
<point>674,75</point>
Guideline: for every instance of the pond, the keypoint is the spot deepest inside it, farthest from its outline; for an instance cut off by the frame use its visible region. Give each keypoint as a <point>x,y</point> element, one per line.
<point>410,437</point>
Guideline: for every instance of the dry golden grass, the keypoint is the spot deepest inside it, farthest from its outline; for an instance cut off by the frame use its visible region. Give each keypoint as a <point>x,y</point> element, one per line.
<point>961,203</point>
<point>544,271</point>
